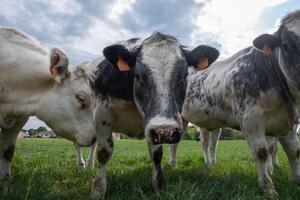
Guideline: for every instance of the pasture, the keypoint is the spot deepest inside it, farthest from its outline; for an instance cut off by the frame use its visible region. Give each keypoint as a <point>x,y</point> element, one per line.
<point>45,169</point>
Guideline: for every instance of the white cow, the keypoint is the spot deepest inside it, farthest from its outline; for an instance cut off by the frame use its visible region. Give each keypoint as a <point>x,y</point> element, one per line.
<point>35,81</point>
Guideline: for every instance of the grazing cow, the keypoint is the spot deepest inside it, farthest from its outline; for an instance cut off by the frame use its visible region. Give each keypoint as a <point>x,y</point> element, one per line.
<point>140,89</point>
<point>34,81</point>
<point>257,90</point>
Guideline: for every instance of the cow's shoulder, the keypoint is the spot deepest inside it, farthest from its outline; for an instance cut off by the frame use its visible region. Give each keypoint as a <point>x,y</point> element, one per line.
<point>253,72</point>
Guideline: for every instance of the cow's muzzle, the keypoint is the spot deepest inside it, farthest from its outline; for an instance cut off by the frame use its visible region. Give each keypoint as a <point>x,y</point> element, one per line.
<point>169,135</point>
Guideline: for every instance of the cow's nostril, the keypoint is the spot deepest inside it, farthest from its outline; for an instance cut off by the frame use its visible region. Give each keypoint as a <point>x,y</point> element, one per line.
<point>155,136</point>
<point>94,140</point>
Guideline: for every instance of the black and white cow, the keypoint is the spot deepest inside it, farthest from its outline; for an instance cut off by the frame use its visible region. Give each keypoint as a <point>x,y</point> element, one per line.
<point>257,90</point>
<point>140,89</point>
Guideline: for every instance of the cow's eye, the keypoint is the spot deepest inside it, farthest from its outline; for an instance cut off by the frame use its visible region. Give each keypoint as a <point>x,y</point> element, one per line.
<point>82,101</point>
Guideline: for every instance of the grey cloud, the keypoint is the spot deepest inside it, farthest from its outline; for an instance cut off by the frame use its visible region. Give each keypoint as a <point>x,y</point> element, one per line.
<point>174,17</point>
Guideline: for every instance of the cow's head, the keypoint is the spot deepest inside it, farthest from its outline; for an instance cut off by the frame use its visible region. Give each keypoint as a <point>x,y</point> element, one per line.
<point>68,107</point>
<point>160,66</point>
<point>287,39</point>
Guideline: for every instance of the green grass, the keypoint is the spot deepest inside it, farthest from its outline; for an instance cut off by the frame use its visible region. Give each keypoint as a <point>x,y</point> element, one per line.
<point>45,169</point>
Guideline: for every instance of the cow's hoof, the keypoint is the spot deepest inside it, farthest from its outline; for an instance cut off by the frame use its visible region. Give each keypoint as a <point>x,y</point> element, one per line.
<point>98,188</point>
<point>159,183</point>
<point>90,164</point>
<point>172,163</point>
<point>80,165</point>
<point>97,195</point>
<point>271,193</point>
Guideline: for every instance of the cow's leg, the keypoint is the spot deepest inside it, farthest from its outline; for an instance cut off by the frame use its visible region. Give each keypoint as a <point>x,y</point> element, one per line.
<point>7,146</point>
<point>80,160</point>
<point>274,155</point>
<point>255,136</point>
<point>291,147</point>
<point>105,147</point>
<point>172,158</point>
<point>271,146</point>
<point>205,140</point>
<point>214,138</point>
<point>90,159</point>
<point>156,153</point>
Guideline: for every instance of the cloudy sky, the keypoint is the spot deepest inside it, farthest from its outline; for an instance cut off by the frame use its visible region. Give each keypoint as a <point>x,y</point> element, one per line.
<point>83,28</point>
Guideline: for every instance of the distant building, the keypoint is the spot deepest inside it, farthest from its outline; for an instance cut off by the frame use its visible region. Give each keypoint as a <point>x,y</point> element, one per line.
<point>23,134</point>
<point>116,136</point>
<point>47,134</point>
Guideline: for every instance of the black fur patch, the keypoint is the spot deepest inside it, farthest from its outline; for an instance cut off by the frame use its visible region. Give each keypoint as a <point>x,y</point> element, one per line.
<point>262,154</point>
<point>9,152</point>
<point>103,156</point>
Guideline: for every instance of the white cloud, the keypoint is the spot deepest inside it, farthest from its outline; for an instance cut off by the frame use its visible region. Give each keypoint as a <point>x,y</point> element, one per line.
<point>232,23</point>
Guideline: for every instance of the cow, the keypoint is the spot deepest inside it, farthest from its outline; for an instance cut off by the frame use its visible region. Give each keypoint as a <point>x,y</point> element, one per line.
<point>140,88</point>
<point>36,81</point>
<point>256,90</point>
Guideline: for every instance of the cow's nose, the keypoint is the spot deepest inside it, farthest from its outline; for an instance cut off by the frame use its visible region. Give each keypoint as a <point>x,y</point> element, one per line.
<point>93,141</point>
<point>168,135</point>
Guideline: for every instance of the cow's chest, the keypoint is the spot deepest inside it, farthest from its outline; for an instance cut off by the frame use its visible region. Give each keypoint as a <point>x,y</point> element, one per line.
<point>126,118</point>
<point>276,122</point>
<point>275,115</point>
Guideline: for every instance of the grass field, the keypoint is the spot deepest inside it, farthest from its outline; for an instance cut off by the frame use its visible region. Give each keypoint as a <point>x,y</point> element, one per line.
<point>45,169</point>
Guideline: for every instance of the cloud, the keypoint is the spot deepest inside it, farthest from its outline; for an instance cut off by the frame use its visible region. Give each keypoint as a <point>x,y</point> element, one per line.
<point>232,23</point>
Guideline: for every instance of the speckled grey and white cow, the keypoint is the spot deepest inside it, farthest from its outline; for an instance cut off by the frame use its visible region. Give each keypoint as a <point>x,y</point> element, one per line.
<point>257,90</point>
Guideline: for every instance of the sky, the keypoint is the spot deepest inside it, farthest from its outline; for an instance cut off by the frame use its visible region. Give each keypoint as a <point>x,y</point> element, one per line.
<point>83,28</point>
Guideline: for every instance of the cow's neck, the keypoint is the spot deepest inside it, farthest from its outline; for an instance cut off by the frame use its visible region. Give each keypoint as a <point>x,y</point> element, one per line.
<point>294,92</point>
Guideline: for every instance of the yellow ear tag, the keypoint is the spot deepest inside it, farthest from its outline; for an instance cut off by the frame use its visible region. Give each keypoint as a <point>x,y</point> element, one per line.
<point>54,71</point>
<point>122,65</point>
<point>266,49</point>
<point>202,64</point>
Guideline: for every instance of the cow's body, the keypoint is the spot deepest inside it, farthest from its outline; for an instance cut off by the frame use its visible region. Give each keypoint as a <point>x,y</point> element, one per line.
<point>233,87</point>
<point>255,91</point>
<point>142,101</point>
<point>61,98</point>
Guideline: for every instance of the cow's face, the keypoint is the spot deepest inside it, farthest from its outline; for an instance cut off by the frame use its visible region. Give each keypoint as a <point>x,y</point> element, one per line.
<point>287,38</point>
<point>68,107</point>
<point>161,68</point>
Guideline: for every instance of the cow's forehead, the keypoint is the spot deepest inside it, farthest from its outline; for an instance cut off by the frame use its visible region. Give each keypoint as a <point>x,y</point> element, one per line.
<point>161,54</point>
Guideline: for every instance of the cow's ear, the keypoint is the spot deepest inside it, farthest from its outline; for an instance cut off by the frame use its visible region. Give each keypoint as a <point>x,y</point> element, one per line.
<point>120,57</point>
<point>266,43</point>
<point>202,56</point>
<point>59,63</point>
